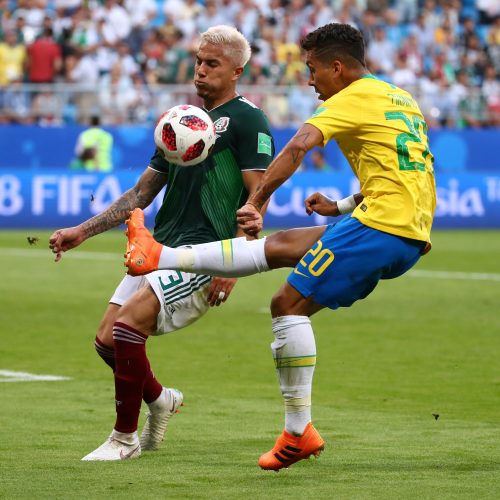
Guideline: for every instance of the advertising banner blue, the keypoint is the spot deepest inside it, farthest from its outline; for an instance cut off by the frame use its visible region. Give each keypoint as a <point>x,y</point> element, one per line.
<point>52,199</point>
<point>455,151</point>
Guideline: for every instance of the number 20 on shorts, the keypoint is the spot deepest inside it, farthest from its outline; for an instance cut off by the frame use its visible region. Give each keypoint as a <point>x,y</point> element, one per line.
<point>322,258</point>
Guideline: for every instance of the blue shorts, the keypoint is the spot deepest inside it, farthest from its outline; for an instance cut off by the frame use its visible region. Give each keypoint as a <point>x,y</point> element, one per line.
<point>347,262</point>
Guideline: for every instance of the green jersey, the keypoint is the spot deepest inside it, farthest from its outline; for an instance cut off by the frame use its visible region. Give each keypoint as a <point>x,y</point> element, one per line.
<point>200,201</point>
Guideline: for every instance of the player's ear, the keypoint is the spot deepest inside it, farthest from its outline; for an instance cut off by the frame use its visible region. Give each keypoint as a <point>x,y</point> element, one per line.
<point>238,72</point>
<point>336,67</point>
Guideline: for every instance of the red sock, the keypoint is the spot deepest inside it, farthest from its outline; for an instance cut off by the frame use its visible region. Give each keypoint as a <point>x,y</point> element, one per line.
<point>152,388</point>
<point>131,372</point>
<point>106,353</point>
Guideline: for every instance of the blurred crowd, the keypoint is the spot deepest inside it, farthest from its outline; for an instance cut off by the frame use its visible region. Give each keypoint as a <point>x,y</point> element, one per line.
<point>115,56</point>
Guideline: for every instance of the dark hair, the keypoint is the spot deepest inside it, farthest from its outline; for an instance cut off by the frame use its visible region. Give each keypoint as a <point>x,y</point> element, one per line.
<point>336,41</point>
<point>95,120</point>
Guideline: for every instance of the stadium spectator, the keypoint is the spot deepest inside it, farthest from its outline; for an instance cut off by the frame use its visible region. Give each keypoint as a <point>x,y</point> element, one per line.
<point>12,59</point>
<point>116,95</point>
<point>429,33</point>
<point>198,206</point>
<point>44,58</point>
<point>32,12</point>
<point>142,13</point>
<point>381,51</point>
<point>68,7</point>
<point>175,63</point>
<point>488,10</point>
<point>403,76</point>
<point>45,107</point>
<point>301,102</point>
<point>394,30</point>
<point>335,265</point>
<point>116,17</point>
<point>490,89</point>
<point>93,149</point>
<point>211,16</point>
<point>15,105</point>
<point>423,31</point>
<point>407,10</point>
<point>472,107</point>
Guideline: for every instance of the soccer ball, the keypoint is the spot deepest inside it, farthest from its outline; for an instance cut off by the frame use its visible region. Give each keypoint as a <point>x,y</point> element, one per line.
<point>185,135</point>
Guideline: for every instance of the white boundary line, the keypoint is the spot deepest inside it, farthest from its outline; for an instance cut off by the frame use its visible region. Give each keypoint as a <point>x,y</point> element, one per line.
<point>11,376</point>
<point>454,275</point>
<point>47,254</point>
<point>414,273</point>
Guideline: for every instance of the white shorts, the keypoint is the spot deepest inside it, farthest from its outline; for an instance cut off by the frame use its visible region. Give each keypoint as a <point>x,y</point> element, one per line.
<point>182,296</point>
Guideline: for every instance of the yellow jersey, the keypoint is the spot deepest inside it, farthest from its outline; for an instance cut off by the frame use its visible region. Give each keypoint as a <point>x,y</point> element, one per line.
<point>382,133</point>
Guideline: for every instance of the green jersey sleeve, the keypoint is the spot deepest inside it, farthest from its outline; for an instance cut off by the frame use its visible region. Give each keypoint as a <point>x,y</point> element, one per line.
<point>256,144</point>
<point>159,163</point>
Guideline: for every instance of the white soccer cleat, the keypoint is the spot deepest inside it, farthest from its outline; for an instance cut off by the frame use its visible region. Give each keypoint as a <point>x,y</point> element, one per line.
<point>158,416</point>
<point>114,449</point>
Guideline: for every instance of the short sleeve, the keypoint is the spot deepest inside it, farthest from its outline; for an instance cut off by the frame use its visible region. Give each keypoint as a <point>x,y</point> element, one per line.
<point>333,118</point>
<point>255,142</point>
<point>159,163</point>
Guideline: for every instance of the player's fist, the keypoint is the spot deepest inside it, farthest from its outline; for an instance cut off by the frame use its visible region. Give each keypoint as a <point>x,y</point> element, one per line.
<point>65,239</point>
<point>321,204</point>
<point>249,219</point>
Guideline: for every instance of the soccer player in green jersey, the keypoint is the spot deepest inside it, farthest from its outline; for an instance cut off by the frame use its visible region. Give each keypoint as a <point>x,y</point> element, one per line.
<point>383,135</point>
<point>199,206</point>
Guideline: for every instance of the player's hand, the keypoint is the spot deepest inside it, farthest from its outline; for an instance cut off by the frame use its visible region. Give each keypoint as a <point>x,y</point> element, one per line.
<point>321,204</point>
<point>63,240</point>
<point>219,290</point>
<point>249,219</point>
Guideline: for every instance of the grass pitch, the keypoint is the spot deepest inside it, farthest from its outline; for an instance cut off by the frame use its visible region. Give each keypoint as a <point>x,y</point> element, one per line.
<point>406,394</point>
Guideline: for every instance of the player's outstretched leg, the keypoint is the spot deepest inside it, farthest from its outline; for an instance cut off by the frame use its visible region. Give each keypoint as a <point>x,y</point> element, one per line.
<point>143,252</point>
<point>119,446</point>
<point>289,449</point>
<point>159,414</point>
<point>230,258</point>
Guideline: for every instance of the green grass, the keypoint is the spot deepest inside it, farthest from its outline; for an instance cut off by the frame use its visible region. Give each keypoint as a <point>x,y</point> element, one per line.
<point>416,346</point>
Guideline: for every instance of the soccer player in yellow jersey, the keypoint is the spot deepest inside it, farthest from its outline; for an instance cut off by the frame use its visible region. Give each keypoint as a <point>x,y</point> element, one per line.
<point>382,133</point>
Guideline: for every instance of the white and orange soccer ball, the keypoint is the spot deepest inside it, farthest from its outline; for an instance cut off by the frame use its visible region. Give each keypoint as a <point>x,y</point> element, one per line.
<point>185,134</point>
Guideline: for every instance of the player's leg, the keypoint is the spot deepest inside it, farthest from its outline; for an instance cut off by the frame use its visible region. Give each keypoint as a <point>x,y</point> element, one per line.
<point>104,339</point>
<point>232,258</point>
<point>183,300</point>
<point>135,321</point>
<point>342,267</point>
<point>294,353</point>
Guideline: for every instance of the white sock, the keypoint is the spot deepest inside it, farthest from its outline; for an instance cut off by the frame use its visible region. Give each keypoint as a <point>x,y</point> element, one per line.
<point>230,258</point>
<point>294,352</point>
<point>125,437</point>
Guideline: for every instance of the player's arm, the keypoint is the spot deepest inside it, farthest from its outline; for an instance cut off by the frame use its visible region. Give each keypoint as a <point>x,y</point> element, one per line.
<point>140,196</point>
<point>282,167</point>
<point>323,205</point>
<point>220,288</point>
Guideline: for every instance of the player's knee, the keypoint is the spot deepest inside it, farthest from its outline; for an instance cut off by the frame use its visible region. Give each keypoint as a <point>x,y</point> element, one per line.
<point>105,330</point>
<point>140,312</point>
<point>279,252</point>
<point>279,304</point>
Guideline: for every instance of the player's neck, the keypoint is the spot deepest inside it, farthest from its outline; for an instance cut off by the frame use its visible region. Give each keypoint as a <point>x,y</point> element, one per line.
<point>353,76</point>
<point>210,104</point>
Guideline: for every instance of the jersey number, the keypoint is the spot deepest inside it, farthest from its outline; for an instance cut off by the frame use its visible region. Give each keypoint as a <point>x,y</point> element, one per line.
<point>172,281</point>
<point>412,136</point>
<point>321,259</point>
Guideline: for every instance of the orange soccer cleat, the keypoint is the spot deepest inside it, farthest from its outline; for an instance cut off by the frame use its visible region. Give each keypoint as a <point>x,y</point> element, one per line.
<point>143,251</point>
<point>289,449</point>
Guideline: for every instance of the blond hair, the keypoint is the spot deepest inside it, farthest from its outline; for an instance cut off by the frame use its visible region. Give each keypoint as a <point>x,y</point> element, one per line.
<point>235,45</point>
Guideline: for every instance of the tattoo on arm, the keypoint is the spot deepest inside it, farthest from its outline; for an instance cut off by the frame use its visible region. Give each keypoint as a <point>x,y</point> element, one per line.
<point>140,196</point>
